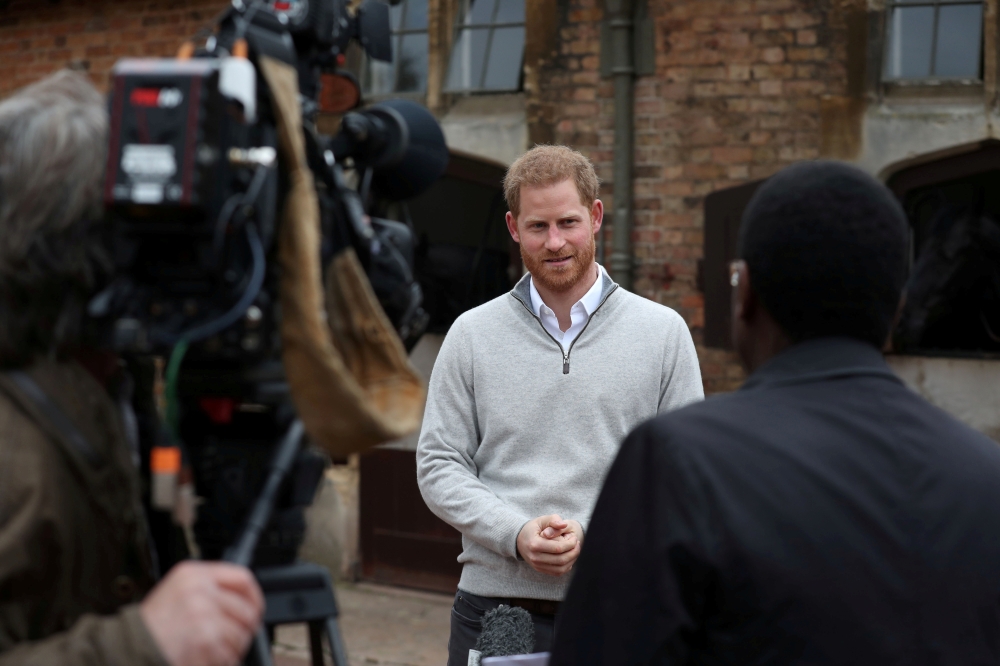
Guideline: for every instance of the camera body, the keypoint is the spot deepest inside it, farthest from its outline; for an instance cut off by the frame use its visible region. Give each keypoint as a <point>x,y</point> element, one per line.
<point>194,191</point>
<point>191,167</point>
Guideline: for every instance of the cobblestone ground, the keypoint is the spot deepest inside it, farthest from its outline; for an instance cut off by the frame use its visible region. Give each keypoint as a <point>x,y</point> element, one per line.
<point>381,625</point>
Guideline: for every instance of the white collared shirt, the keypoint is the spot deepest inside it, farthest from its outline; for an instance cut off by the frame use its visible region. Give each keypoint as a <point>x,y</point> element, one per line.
<point>579,313</point>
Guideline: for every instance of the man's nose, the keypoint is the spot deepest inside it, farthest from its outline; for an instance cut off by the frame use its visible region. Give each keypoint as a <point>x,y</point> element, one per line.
<point>554,241</point>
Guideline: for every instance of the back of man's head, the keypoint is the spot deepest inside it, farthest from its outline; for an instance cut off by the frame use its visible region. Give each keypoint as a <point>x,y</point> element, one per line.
<point>53,138</point>
<point>546,165</point>
<point>826,247</point>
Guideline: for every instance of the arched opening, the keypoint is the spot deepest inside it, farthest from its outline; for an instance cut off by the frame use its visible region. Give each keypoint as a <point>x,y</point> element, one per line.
<point>953,294</point>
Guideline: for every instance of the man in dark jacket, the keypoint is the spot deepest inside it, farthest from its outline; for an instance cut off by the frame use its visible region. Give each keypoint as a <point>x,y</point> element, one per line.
<point>824,513</point>
<point>75,563</point>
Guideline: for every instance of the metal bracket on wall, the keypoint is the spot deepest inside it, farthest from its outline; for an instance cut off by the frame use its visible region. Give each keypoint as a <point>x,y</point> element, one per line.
<point>643,43</point>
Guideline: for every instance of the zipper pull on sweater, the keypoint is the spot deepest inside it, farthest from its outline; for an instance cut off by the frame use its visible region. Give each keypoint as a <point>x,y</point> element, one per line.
<point>566,365</point>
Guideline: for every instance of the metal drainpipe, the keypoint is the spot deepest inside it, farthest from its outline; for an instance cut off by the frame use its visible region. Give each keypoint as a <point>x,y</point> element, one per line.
<point>623,70</point>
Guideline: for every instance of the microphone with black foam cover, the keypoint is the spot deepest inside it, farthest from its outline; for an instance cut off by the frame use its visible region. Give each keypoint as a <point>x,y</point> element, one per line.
<point>507,631</point>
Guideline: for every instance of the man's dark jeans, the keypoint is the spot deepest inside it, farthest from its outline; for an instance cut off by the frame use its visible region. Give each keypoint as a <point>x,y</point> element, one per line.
<point>466,618</point>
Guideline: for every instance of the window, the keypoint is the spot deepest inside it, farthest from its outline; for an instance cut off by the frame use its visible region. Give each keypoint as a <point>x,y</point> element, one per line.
<point>934,39</point>
<point>408,70</point>
<point>489,47</point>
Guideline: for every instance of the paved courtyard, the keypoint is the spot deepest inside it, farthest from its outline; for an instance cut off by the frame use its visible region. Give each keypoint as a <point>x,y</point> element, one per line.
<point>381,625</point>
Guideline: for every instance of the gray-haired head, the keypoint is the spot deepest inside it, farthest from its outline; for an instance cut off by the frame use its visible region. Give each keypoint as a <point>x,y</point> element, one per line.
<point>53,146</point>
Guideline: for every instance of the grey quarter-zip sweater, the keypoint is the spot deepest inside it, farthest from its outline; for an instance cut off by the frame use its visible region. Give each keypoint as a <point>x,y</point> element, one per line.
<point>516,427</point>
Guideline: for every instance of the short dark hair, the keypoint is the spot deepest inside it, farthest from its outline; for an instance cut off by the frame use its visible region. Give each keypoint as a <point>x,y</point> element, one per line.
<point>826,246</point>
<point>53,138</point>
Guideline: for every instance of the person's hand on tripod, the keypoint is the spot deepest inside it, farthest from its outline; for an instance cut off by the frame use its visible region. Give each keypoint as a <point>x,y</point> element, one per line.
<point>204,613</point>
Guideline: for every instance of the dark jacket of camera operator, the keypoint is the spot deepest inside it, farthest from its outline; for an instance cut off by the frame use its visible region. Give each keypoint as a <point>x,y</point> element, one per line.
<point>74,557</point>
<point>72,539</point>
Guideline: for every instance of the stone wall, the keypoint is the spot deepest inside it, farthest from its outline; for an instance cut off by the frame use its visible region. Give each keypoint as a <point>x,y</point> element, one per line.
<point>738,93</point>
<point>39,37</point>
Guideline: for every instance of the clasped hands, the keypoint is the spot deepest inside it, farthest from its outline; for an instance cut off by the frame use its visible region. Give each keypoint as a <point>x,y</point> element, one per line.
<point>550,544</point>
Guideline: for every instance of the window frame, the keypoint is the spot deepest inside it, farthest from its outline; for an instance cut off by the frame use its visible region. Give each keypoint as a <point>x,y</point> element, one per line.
<point>492,26</point>
<point>932,81</point>
<point>397,35</point>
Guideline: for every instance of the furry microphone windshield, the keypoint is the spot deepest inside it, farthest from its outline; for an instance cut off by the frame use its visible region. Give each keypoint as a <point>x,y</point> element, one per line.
<point>507,630</point>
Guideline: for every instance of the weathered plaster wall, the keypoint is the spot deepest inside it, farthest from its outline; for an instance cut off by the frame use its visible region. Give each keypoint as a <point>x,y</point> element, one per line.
<point>968,389</point>
<point>901,134</point>
<point>491,126</point>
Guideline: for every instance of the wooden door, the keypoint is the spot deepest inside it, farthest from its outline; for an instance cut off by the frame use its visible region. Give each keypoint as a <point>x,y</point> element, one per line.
<point>402,542</point>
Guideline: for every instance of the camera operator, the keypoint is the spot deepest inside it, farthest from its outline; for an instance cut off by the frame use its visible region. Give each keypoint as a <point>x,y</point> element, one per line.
<point>75,561</point>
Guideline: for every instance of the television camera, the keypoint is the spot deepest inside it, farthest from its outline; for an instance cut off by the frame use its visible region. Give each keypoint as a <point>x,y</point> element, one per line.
<point>195,189</point>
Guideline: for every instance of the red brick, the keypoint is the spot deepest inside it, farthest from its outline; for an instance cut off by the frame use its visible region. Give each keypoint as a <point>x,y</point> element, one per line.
<point>772,22</point>
<point>585,15</point>
<point>801,20</point>
<point>808,54</point>
<point>738,172</point>
<point>43,38</point>
<point>732,155</point>
<point>773,38</point>
<point>806,37</point>
<point>765,72</point>
<point>771,88</point>
<point>738,72</point>
<point>773,55</point>
<point>92,51</point>
<point>693,301</point>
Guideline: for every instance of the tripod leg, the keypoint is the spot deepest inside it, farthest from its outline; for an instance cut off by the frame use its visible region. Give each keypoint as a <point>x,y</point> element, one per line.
<point>316,642</point>
<point>336,641</point>
<point>260,650</point>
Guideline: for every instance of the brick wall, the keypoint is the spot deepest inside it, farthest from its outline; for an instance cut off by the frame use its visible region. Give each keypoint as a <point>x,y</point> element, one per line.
<point>736,96</point>
<point>38,37</point>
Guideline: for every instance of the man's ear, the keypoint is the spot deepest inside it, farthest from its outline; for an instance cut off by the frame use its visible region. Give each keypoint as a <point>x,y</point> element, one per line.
<point>512,227</point>
<point>744,299</point>
<point>743,311</point>
<point>597,214</point>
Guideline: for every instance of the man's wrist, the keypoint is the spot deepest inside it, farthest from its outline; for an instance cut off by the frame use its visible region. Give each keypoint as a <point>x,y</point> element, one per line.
<point>517,539</point>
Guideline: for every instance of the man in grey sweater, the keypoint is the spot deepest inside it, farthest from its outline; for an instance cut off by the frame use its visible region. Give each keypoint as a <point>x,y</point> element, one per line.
<point>533,392</point>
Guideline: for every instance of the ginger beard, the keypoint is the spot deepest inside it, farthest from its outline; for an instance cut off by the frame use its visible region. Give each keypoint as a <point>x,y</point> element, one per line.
<point>561,278</point>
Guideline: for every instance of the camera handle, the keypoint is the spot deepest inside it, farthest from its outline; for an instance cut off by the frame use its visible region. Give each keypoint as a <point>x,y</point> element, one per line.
<point>295,593</point>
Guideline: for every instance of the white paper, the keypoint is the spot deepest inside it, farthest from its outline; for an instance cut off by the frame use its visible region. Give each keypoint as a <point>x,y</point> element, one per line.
<point>539,659</point>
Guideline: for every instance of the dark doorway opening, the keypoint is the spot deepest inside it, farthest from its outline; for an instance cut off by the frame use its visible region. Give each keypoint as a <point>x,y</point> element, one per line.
<point>465,257</point>
<point>952,304</point>
<point>723,212</point>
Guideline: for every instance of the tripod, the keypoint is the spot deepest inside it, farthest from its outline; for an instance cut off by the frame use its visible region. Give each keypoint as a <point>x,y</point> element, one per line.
<point>294,593</point>
<point>302,592</point>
